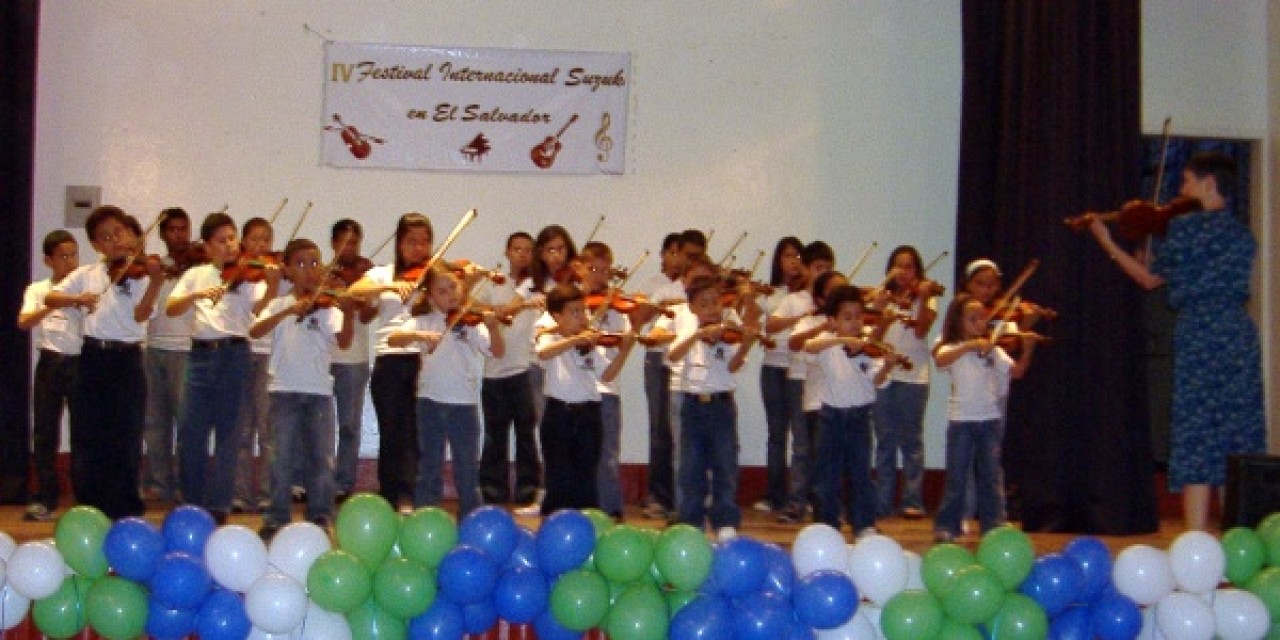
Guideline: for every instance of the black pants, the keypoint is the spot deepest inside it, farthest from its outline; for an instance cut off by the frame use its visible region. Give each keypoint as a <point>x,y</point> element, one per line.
<point>393,386</point>
<point>51,389</point>
<point>571,449</point>
<point>108,405</point>
<point>508,402</point>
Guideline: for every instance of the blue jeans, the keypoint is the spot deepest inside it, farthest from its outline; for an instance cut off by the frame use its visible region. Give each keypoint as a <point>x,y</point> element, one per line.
<point>657,392</point>
<point>899,426</point>
<point>777,415</point>
<point>349,384</point>
<point>675,405</point>
<point>970,498</point>
<point>972,445</point>
<point>508,406</point>
<point>217,382</point>
<point>843,449</point>
<point>459,426</point>
<point>709,445</point>
<point>253,478</point>
<point>303,424</point>
<point>608,480</point>
<point>166,382</point>
<point>801,447</point>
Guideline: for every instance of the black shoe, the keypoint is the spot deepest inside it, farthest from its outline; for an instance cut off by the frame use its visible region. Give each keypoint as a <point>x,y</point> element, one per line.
<point>239,506</point>
<point>299,494</point>
<point>37,512</point>
<point>268,531</point>
<point>219,517</point>
<point>341,497</point>
<point>790,515</point>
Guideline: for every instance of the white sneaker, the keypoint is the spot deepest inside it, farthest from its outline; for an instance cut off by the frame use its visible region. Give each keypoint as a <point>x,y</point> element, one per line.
<point>534,508</point>
<point>726,534</point>
<point>868,532</point>
<point>762,506</point>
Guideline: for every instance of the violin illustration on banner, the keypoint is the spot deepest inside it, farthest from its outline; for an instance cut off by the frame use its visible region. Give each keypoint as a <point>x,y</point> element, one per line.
<point>357,142</point>
<point>544,153</point>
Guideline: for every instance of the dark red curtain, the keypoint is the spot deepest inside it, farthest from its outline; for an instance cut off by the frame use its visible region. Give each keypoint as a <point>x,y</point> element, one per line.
<point>1050,128</point>
<point>18,22</point>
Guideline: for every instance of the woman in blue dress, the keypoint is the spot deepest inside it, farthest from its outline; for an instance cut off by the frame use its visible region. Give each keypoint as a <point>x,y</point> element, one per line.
<point>1206,260</point>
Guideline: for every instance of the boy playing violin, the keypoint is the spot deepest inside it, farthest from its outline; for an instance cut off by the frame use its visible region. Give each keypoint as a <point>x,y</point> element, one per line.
<point>108,398</point>
<point>302,416</point>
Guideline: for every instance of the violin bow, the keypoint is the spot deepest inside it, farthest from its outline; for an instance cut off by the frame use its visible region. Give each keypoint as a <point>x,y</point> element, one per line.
<point>598,315</point>
<point>383,245</point>
<point>463,308</point>
<point>297,226</point>
<point>594,230</point>
<point>272,220</point>
<point>863,260</point>
<point>328,271</point>
<point>711,233</point>
<point>467,218</point>
<point>133,257</point>
<point>1012,291</point>
<point>933,263</point>
<point>756,265</point>
<point>734,247</point>
<point>1155,197</point>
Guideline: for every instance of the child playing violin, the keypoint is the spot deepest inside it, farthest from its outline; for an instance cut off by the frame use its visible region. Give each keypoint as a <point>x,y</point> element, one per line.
<point>571,429</point>
<point>253,481</point>
<point>108,397</point>
<point>57,335</point>
<point>301,387</point>
<point>657,377</point>
<point>787,275</point>
<point>451,351</point>
<point>350,366</point>
<point>980,374</point>
<point>224,304</point>
<point>846,388</point>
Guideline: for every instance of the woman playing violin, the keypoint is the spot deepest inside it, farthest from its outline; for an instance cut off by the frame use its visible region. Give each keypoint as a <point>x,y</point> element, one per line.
<point>395,368</point>
<point>1206,260</point>
<point>900,405</point>
<point>786,275</point>
<point>554,257</point>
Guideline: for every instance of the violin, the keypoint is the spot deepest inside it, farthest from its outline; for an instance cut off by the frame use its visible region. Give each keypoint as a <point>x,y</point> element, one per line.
<point>735,335</point>
<point>469,317</point>
<point>460,267</point>
<point>875,349</point>
<point>624,303</point>
<point>1012,342</point>
<point>1139,218</point>
<point>908,295</point>
<point>132,267</point>
<point>195,254</point>
<point>352,270</point>
<point>1021,310</point>
<point>245,269</point>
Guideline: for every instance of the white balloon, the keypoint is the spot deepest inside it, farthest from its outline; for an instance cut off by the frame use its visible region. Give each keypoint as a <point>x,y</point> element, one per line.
<point>7,546</point>
<point>236,557</point>
<point>878,568</point>
<point>323,625</point>
<point>4,577</point>
<point>817,547</point>
<point>13,608</point>
<point>295,548</point>
<point>1240,615</point>
<point>859,627</point>
<point>915,571</point>
<point>1183,616</point>
<point>1150,628</point>
<point>258,634</point>
<point>1197,561</point>
<point>1142,573</point>
<point>276,603</point>
<point>36,570</point>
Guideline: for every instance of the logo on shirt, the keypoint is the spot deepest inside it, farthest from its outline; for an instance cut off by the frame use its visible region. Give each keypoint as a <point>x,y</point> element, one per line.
<point>862,366</point>
<point>718,352</point>
<point>313,323</point>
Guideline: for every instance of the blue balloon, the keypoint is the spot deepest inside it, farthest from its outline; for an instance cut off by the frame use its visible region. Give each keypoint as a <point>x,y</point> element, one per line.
<point>169,624</point>
<point>180,581</point>
<point>1054,583</point>
<point>186,529</point>
<point>526,552</point>
<point>479,617</point>
<point>780,572</point>
<point>548,628</point>
<point>491,530</point>
<point>467,575</point>
<point>522,595</point>
<point>739,566</point>
<point>706,618</point>
<point>442,621</point>
<point>1094,561</point>
<point>564,541</point>
<point>133,546</point>
<point>825,599</point>
<point>800,631</point>
<point>1072,624</point>
<point>761,616</point>
<point>222,617</point>
<point>1115,617</point>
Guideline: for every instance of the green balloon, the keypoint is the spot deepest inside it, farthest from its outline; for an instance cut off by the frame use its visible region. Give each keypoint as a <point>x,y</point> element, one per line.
<point>1019,618</point>
<point>370,622</point>
<point>367,526</point>
<point>117,608</point>
<point>940,565</point>
<point>911,615</point>
<point>1273,632</point>
<point>404,588</point>
<point>677,599</point>
<point>1009,553</point>
<point>1245,554</point>
<point>640,613</point>
<point>79,535</point>
<point>623,554</point>
<point>599,520</point>
<point>683,556</point>
<point>1266,585</point>
<point>62,615</point>
<point>956,630</point>
<point>427,534</point>
<point>1268,526</point>
<point>974,595</point>
<point>580,599</point>
<point>339,581</point>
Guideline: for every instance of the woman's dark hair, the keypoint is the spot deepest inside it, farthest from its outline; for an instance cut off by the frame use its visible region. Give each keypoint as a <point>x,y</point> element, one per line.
<point>776,277</point>
<point>915,259</point>
<point>408,222</point>
<point>537,269</point>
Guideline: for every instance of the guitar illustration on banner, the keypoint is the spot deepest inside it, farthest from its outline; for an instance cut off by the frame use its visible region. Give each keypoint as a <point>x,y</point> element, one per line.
<point>357,142</point>
<point>544,153</point>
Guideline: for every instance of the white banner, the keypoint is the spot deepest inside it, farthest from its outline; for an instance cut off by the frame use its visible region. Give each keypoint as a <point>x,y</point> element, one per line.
<point>483,110</point>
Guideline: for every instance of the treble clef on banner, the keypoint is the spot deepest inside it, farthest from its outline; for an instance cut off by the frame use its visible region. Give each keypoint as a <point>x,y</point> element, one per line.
<point>603,142</point>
